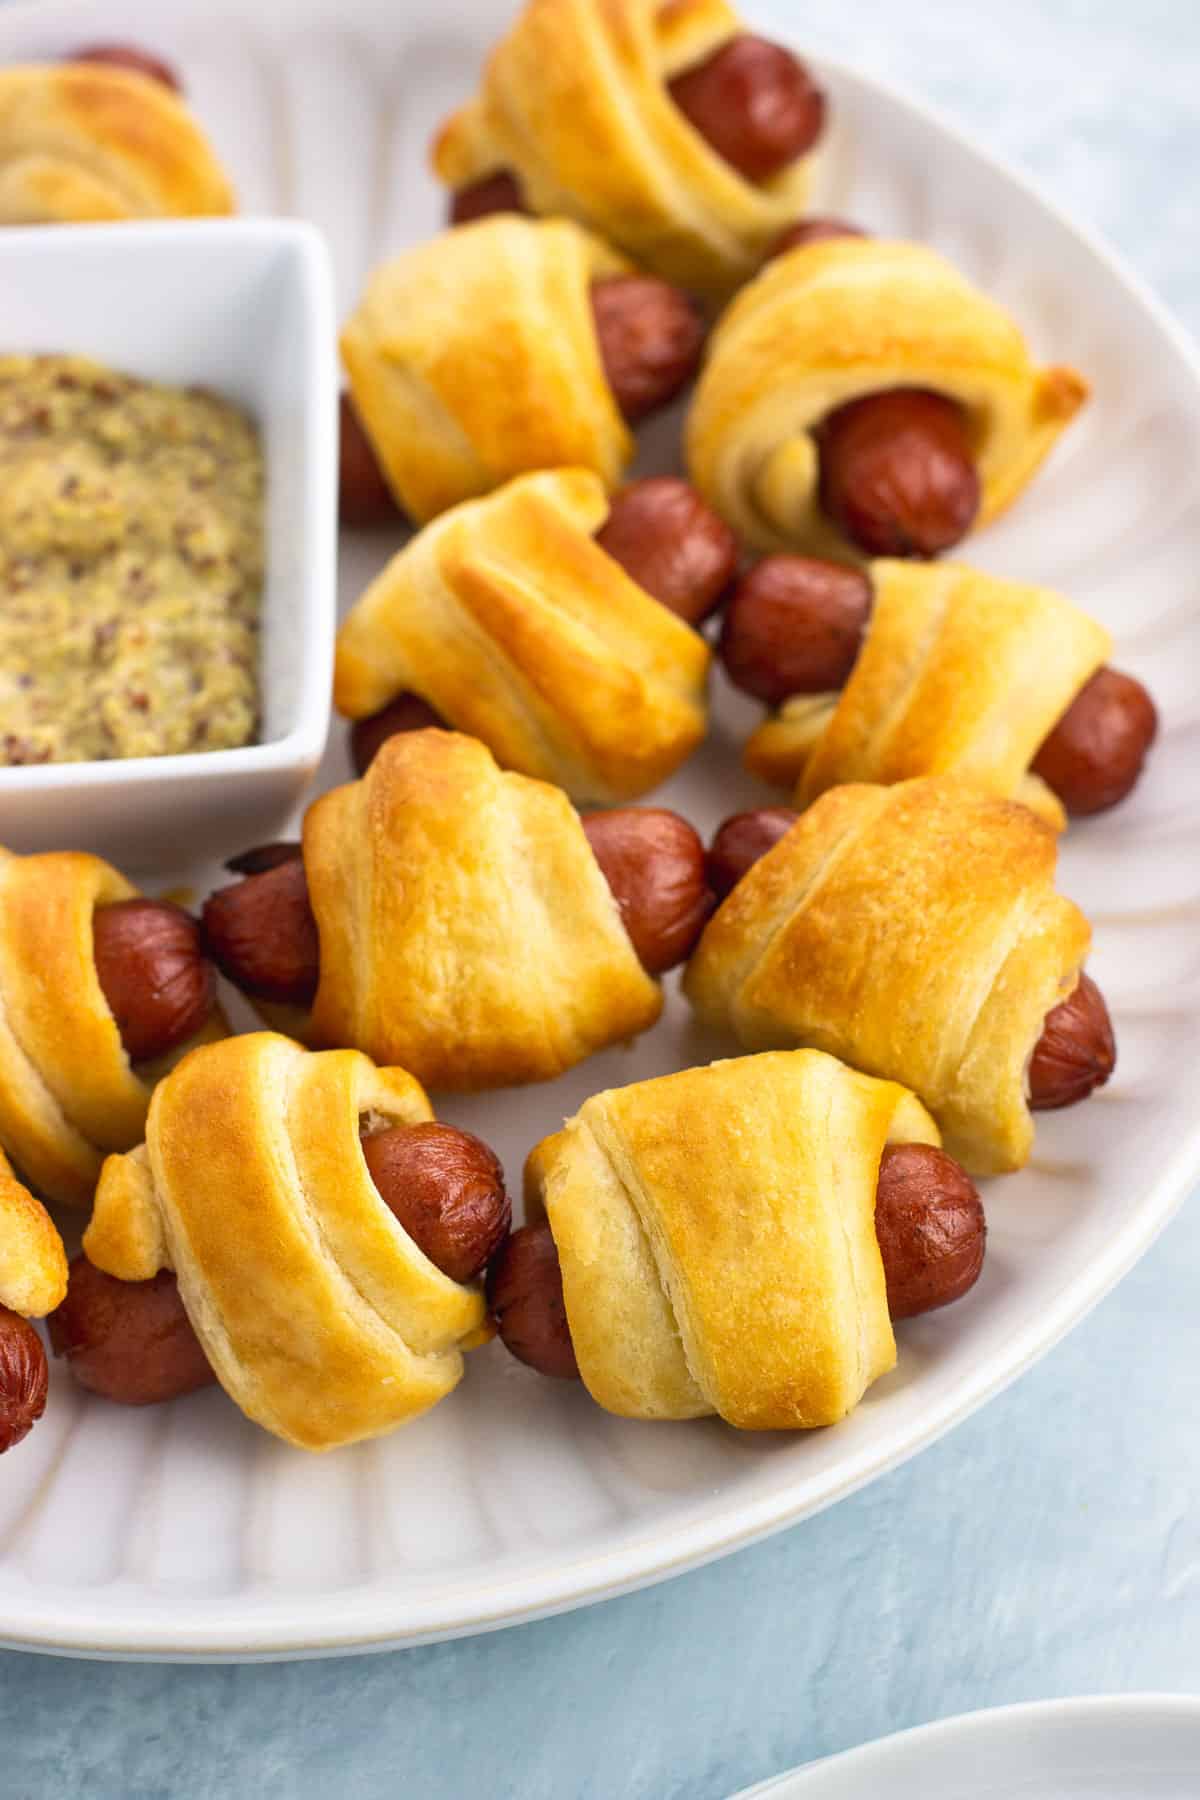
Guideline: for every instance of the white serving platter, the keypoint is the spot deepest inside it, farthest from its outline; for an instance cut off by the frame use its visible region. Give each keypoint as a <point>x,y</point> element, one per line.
<point>183,1532</point>
<point>1111,1747</point>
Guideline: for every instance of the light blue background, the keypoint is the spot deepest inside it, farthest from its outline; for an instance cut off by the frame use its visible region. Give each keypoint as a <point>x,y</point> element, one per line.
<point>1049,1546</point>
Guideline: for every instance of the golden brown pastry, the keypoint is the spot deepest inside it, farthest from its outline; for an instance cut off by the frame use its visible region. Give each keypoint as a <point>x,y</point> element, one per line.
<point>465,928</point>
<point>915,931</point>
<point>33,1281</point>
<point>33,1263</point>
<point>830,322</point>
<point>575,102</point>
<point>716,1233</point>
<point>475,358</point>
<point>68,1091</point>
<point>512,622</point>
<point>320,1316</point>
<point>960,673</point>
<point>80,141</point>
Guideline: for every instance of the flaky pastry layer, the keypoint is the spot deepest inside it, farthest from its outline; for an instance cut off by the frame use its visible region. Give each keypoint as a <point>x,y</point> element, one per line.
<point>960,674</point>
<point>88,143</point>
<point>716,1232</point>
<point>830,322</point>
<point>915,932</point>
<point>574,99</point>
<point>33,1263</point>
<point>474,358</point>
<point>508,617</point>
<point>321,1318</point>
<point>466,930</point>
<point>68,1092</point>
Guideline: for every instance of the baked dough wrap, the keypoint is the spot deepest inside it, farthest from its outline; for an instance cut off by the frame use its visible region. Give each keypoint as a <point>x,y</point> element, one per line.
<point>960,673</point>
<point>80,141</point>
<point>716,1231</point>
<point>830,322</point>
<point>508,617</point>
<point>575,100</point>
<point>33,1263</point>
<point>68,1092</point>
<point>466,929</point>
<point>320,1316</point>
<point>914,931</point>
<point>475,357</point>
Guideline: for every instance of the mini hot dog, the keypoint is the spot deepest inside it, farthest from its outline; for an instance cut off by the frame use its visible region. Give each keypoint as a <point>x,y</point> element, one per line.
<point>128,1341</point>
<point>817,228</point>
<point>153,973</point>
<point>739,842</point>
<point>132,1341</point>
<point>24,1378</point>
<point>751,101</point>
<point>664,537</point>
<point>654,863</point>
<point>262,935</point>
<point>491,194</point>
<point>132,57</point>
<point>1076,1052</point>
<point>796,625</point>
<point>897,468</point>
<point>33,1281</point>
<point>554,621</point>
<point>364,498</point>
<point>754,103</point>
<point>928,1217</point>
<point>861,393</point>
<point>672,544</point>
<point>897,472</point>
<point>650,337</point>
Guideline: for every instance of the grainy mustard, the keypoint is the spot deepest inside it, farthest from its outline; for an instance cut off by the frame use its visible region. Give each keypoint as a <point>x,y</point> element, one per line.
<point>131,565</point>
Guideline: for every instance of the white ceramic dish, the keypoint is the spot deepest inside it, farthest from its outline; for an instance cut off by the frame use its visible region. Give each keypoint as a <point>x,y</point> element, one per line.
<point>184,1532</point>
<point>243,307</point>
<point>1113,1747</point>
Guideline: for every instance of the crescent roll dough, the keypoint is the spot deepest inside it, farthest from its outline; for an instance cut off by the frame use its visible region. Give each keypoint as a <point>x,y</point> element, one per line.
<point>915,931</point>
<point>830,322</point>
<point>518,628</point>
<point>320,1316</point>
<point>466,930</point>
<point>716,1231</point>
<point>79,141</point>
<point>33,1263</point>
<point>575,101</point>
<point>960,673</point>
<point>68,1092</point>
<point>475,357</point>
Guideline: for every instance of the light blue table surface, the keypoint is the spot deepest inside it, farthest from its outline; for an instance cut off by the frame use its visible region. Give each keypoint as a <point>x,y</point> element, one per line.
<point>1049,1546</point>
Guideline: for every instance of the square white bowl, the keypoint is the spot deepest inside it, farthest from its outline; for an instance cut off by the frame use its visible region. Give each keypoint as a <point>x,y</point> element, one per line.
<point>243,307</point>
